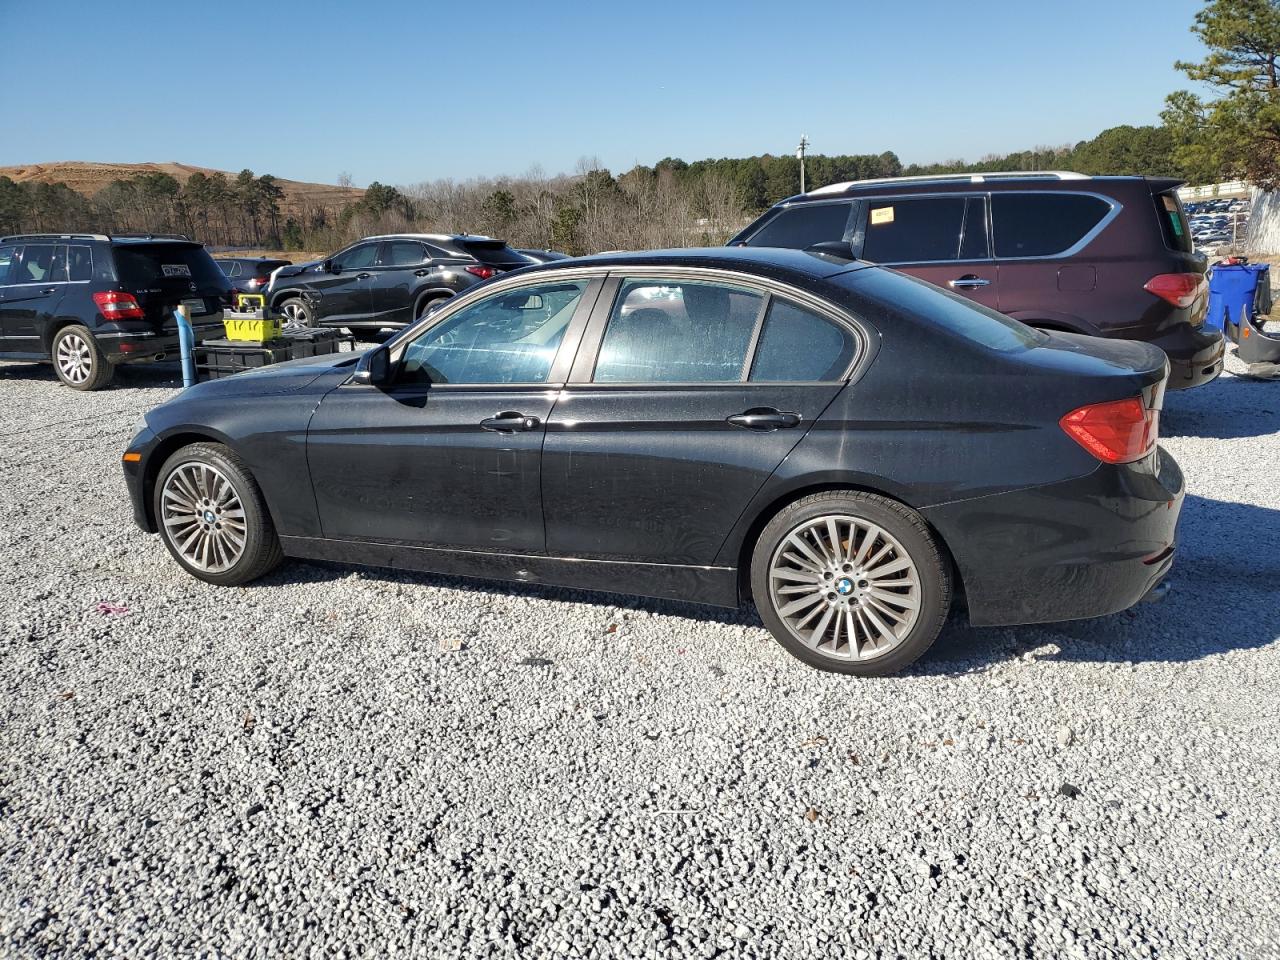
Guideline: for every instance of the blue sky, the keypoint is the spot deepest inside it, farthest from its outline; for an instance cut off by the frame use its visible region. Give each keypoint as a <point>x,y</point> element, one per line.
<point>407,91</point>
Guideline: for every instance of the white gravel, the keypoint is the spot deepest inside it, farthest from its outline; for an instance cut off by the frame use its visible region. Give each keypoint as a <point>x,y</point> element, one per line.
<point>341,762</point>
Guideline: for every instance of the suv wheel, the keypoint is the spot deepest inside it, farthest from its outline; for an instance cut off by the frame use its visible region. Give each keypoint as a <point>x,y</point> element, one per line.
<point>851,582</point>
<point>79,362</point>
<point>297,315</point>
<point>426,305</point>
<point>212,516</point>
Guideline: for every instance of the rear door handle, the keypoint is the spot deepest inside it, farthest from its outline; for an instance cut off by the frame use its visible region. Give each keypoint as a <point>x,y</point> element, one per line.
<point>764,419</point>
<point>48,290</point>
<point>363,276</point>
<point>967,282</point>
<point>510,422</point>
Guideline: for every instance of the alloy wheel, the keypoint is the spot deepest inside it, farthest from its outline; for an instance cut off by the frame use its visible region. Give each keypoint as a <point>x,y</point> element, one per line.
<point>74,358</point>
<point>295,316</point>
<point>845,587</point>
<point>204,517</point>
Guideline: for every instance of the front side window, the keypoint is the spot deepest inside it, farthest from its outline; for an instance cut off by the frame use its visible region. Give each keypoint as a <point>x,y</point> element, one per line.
<point>8,255</point>
<point>800,227</point>
<point>357,257</point>
<point>35,265</point>
<point>799,346</point>
<point>403,253</point>
<point>922,230</point>
<point>1043,224</point>
<point>678,331</point>
<point>508,337</point>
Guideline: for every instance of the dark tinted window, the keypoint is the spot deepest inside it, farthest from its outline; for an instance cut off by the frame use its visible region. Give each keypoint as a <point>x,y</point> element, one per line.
<point>947,310</point>
<point>58,270</point>
<point>172,265</point>
<point>1042,224</point>
<point>228,267</point>
<point>802,226</point>
<point>913,231</point>
<point>34,265</point>
<point>403,253</point>
<point>8,255</point>
<point>495,252</point>
<point>80,263</point>
<point>1173,222</point>
<point>798,345</point>
<point>361,255</point>
<point>509,337</point>
<point>973,245</point>
<point>677,331</point>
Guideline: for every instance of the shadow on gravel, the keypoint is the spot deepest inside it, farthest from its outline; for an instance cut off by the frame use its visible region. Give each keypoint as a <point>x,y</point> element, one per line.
<point>127,375</point>
<point>1228,408</point>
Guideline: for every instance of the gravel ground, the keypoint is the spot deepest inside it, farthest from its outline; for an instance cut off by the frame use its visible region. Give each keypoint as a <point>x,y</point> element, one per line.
<point>340,762</point>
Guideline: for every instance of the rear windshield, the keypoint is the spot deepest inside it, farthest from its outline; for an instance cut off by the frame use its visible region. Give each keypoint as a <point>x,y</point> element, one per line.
<point>948,310</point>
<point>264,267</point>
<point>166,265</point>
<point>495,252</point>
<point>1173,222</point>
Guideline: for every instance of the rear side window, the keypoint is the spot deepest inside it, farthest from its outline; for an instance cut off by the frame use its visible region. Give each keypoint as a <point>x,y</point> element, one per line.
<point>802,226</point>
<point>1043,224</point>
<point>403,253</point>
<point>166,265</point>
<point>913,231</point>
<point>79,263</point>
<point>947,310</point>
<point>1173,222</point>
<point>973,245</point>
<point>495,252</point>
<point>798,346</point>
<point>678,331</point>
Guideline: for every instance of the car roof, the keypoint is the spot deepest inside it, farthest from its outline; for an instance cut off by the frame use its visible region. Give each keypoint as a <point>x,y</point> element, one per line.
<point>748,259</point>
<point>1012,182</point>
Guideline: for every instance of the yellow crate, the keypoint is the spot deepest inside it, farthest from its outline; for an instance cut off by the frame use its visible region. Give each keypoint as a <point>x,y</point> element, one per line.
<point>251,328</point>
<point>248,302</point>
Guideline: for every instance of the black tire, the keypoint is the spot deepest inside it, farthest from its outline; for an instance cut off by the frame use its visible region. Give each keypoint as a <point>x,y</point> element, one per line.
<point>261,549</point>
<point>302,315</point>
<point>78,360</point>
<point>930,590</point>
<point>426,304</point>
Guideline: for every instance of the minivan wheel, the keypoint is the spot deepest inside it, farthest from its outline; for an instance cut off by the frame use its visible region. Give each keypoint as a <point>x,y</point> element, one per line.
<point>851,582</point>
<point>79,362</point>
<point>212,516</point>
<point>296,314</point>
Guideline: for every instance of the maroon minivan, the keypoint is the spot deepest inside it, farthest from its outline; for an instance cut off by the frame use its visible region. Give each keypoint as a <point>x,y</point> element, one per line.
<point>1104,256</point>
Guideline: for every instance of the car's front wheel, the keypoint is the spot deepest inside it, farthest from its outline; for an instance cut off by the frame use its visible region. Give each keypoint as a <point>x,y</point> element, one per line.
<point>296,314</point>
<point>851,582</point>
<point>212,516</point>
<point>78,360</point>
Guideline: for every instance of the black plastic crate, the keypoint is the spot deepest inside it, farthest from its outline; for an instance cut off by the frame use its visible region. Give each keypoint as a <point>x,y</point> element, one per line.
<point>313,343</point>
<point>223,358</point>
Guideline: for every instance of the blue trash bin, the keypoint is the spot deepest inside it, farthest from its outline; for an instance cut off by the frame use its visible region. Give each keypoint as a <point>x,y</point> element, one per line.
<point>1232,289</point>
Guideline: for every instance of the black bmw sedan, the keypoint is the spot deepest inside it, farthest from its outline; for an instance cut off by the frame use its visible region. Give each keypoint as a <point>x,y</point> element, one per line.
<point>852,449</point>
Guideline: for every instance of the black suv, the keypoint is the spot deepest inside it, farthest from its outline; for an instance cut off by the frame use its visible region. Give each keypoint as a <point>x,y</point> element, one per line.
<point>87,301</point>
<point>1103,256</point>
<point>387,281</point>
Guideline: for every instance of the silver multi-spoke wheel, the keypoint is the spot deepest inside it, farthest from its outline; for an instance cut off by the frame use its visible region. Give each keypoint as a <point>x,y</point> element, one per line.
<point>74,358</point>
<point>295,315</point>
<point>204,516</point>
<point>845,587</point>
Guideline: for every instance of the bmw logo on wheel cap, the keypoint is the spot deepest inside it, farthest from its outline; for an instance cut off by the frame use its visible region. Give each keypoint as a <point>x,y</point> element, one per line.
<point>844,586</point>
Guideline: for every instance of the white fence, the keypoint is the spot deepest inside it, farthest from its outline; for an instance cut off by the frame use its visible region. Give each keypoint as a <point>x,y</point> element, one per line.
<point>1211,191</point>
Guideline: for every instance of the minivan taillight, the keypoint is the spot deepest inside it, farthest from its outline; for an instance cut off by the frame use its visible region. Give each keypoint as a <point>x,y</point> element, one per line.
<point>1118,431</point>
<point>484,273</point>
<point>1180,289</point>
<point>115,305</point>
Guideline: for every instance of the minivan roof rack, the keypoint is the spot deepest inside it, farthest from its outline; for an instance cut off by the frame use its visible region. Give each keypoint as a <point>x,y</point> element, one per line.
<point>952,178</point>
<point>55,236</point>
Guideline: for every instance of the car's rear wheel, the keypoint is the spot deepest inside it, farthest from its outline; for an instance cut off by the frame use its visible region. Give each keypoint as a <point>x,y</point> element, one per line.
<point>212,516</point>
<point>79,362</point>
<point>296,314</point>
<point>851,582</point>
<point>427,305</point>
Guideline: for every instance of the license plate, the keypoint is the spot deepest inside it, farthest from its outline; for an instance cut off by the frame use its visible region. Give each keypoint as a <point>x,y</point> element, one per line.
<point>194,307</point>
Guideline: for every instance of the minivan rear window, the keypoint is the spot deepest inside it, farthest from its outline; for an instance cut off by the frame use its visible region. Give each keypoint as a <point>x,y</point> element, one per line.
<point>1173,222</point>
<point>952,312</point>
<point>166,265</point>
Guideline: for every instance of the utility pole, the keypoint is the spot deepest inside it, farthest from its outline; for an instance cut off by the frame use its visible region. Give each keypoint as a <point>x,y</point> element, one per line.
<point>804,145</point>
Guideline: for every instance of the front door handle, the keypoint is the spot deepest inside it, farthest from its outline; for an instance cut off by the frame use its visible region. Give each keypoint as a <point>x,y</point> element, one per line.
<point>510,422</point>
<point>363,276</point>
<point>421,273</point>
<point>764,418</point>
<point>968,282</point>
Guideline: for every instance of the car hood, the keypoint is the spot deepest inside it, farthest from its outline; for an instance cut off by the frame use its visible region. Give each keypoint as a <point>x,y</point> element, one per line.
<point>288,377</point>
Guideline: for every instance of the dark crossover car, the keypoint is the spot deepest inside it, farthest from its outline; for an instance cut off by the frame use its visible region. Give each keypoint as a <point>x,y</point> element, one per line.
<point>387,282</point>
<point>1102,256</point>
<point>89,301</point>
<point>249,274</point>
<point>848,446</point>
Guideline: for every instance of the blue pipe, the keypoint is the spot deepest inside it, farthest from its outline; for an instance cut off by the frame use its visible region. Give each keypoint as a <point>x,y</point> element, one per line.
<point>186,346</point>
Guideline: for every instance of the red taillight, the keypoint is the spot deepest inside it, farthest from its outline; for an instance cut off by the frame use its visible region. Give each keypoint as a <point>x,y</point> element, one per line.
<point>1119,431</point>
<point>1180,289</point>
<point>484,273</point>
<point>254,283</point>
<point>115,305</point>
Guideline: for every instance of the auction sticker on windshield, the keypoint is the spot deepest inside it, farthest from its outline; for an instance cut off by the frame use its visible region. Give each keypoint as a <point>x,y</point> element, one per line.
<point>175,269</point>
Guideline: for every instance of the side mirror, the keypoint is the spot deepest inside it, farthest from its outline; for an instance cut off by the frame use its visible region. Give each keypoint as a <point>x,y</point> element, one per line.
<point>373,368</point>
<point>332,266</point>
